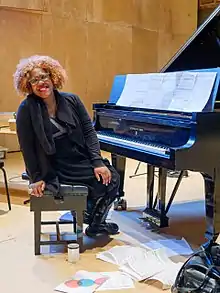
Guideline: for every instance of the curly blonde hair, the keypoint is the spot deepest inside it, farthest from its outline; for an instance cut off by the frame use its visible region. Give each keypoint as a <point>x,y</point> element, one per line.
<point>25,66</point>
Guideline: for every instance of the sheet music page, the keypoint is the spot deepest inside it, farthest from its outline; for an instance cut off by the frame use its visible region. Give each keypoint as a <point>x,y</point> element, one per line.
<point>119,254</point>
<point>177,91</point>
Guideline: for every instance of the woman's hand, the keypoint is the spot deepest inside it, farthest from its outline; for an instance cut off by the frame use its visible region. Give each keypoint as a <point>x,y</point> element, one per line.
<point>37,188</point>
<point>104,173</point>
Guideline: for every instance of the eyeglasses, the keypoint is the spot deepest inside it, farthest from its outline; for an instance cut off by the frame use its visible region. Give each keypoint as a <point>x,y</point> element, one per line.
<point>41,77</point>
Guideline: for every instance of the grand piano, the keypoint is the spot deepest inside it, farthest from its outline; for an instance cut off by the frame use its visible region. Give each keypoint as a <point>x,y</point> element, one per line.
<point>170,140</point>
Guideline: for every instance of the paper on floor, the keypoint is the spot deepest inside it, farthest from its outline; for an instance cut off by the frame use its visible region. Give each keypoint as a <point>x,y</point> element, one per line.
<point>101,281</point>
<point>172,246</point>
<point>142,264</point>
<point>119,254</point>
<point>148,264</point>
<point>82,282</point>
<point>116,281</point>
<point>168,276</point>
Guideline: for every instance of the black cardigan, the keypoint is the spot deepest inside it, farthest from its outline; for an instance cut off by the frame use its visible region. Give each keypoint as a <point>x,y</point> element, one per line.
<point>35,134</point>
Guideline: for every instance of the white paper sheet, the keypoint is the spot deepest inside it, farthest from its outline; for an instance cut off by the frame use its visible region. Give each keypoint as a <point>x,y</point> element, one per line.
<point>82,282</point>
<point>146,266</point>
<point>168,276</point>
<point>119,254</point>
<point>171,246</point>
<point>177,91</point>
<point>116,281</point>
<point>142,264</point>
<point>103,281</point>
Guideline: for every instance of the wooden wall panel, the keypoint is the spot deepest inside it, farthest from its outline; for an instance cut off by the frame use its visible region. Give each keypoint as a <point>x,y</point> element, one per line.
<point>123,11</point>
<point>94,11</point>
<point>17,41</point>
<point>177,22</point>
<point>178,17</point>
<point>144,50</point>
<point>109,53</point>
<point>74,9</point>
<point>40,5</point>
<point>70,48</point>
<point>148,14</point>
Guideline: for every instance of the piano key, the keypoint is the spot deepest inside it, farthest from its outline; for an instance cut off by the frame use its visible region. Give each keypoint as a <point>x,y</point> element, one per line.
<point>132,143</point>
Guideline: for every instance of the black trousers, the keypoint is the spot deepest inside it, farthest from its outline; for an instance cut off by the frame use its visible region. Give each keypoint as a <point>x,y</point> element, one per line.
<point>101,198</point>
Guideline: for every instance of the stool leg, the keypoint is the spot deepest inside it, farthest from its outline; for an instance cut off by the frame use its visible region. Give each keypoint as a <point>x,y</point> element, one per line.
<point>6,188</point>
<point>75,224</point>
<point>79,232</point>
<point>58,231</point>
<point>73,213</point>
<point>37,232</point>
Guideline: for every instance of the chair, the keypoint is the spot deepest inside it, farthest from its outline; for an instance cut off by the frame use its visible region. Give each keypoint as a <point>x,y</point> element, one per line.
<point>6,183</point>
<point>71,197</point>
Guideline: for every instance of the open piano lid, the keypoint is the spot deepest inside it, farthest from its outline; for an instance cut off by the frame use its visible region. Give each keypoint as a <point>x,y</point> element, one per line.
<point>202,50</point>
<point>200,53</point>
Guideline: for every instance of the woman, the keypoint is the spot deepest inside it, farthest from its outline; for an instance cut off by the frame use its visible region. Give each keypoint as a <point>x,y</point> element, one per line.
<point>59,143</point>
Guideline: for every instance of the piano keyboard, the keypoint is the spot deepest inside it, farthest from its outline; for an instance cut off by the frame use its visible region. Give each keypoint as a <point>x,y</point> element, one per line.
<point>128,142</point>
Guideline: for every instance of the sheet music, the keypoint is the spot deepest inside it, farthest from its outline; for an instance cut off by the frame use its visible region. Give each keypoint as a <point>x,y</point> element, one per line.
<point>177,91</point>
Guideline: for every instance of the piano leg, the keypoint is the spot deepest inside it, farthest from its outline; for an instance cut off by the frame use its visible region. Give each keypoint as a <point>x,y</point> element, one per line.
<point>212,200</point>
<point>161,197</point>
<point>150,186</point>
<point>118,162</point>
<point>155,212</point>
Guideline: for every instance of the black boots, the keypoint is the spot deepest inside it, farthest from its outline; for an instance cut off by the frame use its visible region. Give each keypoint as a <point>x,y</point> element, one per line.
<point>102,229</point>
<point>97,219</point>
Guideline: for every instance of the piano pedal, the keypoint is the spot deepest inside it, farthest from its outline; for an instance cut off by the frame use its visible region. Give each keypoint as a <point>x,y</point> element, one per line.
<point>120,204</point>
<point>153,217</point>
<point>175,174</point>
<point>149,225</point>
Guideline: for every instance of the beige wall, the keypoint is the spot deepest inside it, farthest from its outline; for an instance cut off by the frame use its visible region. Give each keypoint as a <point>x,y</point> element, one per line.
<point>93,39</point>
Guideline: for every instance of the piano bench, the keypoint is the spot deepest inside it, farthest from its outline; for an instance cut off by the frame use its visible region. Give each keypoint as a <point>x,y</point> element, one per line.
<point>72,198</point>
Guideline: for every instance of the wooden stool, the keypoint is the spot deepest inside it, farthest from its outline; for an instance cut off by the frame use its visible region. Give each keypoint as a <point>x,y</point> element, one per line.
<point>73,198</point>
<point>6,184</point>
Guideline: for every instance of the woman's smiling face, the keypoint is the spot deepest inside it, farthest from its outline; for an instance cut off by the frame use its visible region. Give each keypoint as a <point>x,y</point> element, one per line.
<point>41,83</point>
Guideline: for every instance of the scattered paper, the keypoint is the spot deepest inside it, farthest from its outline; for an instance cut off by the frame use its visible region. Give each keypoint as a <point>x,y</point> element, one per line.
<point>82,282</point>
<point>172,246</point>
<point>147,265</point>
<point>116,281</point>
<point>142,264</point>
<point>168,276</point>
<point>119,254</point>
<point>86,282</point>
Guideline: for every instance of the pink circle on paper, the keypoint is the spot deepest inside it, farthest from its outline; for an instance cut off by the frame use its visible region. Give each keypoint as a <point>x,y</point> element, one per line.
<point>100,281</point>
<point>72,283</point>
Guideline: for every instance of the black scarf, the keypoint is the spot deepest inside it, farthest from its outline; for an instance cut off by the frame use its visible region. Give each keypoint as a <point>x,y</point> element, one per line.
<point>41,121</point>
